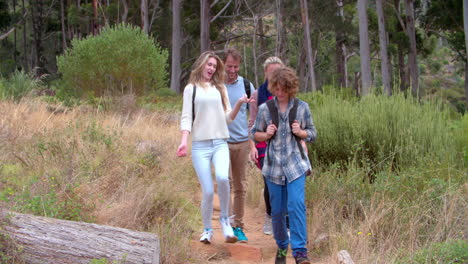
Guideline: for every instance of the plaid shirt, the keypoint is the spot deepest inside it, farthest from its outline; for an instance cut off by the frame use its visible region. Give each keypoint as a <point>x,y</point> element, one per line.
<point>286,160</point>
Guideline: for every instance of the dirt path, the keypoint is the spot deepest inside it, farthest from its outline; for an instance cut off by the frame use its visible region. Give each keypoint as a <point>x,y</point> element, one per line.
<point>261,248</point>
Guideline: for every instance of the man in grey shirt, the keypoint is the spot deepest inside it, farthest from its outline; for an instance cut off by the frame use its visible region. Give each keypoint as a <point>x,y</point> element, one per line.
<point>238,141</point>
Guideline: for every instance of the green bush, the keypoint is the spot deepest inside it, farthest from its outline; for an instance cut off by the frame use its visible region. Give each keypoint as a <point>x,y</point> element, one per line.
<point>121,59</point>
<point>19,85</point>
<point>379,132</point>
<point>455,251</point>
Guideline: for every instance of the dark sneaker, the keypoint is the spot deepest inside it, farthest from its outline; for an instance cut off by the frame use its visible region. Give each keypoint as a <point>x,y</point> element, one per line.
<point>281,256</point>
<point>301,258</point>
<point>239,233</point>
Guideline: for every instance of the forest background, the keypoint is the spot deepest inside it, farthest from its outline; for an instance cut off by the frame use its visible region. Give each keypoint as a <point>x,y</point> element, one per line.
<point>85,84</point>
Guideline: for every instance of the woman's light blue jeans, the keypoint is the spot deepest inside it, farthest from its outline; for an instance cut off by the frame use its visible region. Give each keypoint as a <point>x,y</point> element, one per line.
<point>289,199</point>
<point>205,153</point>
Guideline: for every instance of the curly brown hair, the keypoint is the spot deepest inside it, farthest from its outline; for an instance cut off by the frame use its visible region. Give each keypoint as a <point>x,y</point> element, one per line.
<point>284,78</point>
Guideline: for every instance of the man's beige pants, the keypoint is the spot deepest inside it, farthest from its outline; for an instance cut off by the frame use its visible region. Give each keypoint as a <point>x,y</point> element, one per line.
<point>239,154</point>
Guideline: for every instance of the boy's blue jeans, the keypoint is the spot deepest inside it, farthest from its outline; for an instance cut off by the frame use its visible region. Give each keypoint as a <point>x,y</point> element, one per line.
<point>289,199</point>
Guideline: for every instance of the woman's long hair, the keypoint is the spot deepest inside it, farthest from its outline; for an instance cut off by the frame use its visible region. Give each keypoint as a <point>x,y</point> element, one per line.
<point>218,77</point>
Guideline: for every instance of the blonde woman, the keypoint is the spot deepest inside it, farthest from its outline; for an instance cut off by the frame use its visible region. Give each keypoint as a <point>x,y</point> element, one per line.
<point>205,116</point>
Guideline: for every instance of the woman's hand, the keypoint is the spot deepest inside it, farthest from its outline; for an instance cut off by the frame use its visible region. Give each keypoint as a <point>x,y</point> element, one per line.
<point>244,99</point>
<point>182,150</point>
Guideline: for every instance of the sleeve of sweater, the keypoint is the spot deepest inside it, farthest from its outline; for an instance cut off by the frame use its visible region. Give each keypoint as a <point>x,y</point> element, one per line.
<point>186,118</point>
<point>228,106</point>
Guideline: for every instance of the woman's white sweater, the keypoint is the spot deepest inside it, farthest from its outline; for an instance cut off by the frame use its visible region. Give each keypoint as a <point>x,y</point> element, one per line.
<point>210,118</point>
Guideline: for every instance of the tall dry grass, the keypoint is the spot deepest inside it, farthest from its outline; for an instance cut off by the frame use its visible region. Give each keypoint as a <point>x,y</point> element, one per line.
<point>114,169</point>
<point>120,169</point>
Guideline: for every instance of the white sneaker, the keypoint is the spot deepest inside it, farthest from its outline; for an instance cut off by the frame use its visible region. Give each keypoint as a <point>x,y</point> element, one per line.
<point>267,226</point>
<point>206,236</point>
<point>227,231</point>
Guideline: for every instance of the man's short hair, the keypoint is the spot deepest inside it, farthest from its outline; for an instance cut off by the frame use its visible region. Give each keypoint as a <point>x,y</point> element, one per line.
<point>232,52</point>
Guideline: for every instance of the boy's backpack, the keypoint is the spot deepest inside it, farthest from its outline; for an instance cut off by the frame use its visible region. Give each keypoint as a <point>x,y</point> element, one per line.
<point>275,120</point>
<point>246,87</point>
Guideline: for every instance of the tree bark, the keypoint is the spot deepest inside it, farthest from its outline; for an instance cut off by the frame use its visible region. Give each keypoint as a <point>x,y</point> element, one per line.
<point>364,48</point>
<point>305,24</point>
<point>204,25</point>
<point>14,37</point>
<point>125,11</point>
<point>383,49</point>
<point>62,21</point>
<point>402,69</point>
<point>465,24</point>
<point>25,57</point>
<point>47,240</point>
<point>280,46</point>
<point>144,16</point>
<point>176,68</point>
<point>95,19</point>
<point>412,58</point>
<point>38,21</point>
<point>340,48</point>
<point>261,32</point>
<point>303,78</point>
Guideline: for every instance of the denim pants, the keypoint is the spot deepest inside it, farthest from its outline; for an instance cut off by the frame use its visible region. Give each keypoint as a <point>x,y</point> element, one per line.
<point>205,153</point>
<point>289,199</point>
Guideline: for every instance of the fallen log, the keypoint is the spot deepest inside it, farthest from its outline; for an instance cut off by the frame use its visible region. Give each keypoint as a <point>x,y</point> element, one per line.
<point>344,257</point>
<point>47,240</point>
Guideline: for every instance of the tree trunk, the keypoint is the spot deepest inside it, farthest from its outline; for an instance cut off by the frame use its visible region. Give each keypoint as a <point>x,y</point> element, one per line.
<point>176,69</point>
<point>305,24</point>
<point>95,19</point>
<point>383,49</point>
<point>364,48</point>
<point>125,11</point>
<point>412,58</point>
<point>37,17</point>
<point>14,37</point>
<point>25,48</point>
<point>465,23</point>
<point>144,16</point>
<point>303,78</point>
<point>280,46</point>
<point>62,21</point>
<point>204,25</point>
<point>340,48</point>
<point>402,69</point>
<point>153,15</point>
<point>47,240</point>
<point>261,33</point>
<point>466,87</point>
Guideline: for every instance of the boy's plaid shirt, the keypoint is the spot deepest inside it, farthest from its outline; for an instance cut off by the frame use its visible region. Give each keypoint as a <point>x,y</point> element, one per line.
<point>286,160</point>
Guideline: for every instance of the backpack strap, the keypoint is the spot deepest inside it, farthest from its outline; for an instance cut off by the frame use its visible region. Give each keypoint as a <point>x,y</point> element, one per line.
<point>292,117</point>
<point>194,92</point>
<point>247,87</point>
<point>275,120</point>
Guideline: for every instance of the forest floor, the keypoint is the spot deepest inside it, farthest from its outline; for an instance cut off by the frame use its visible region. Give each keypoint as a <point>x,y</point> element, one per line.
<point>260,248</point>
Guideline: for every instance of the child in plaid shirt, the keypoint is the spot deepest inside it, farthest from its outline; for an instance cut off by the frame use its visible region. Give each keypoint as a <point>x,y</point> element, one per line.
<point>285,167</point>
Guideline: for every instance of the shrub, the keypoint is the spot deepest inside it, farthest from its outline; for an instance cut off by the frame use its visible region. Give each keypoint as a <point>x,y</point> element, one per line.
<point>379,132</point>
<point>455,251</point>
<point>120,59</point>
<point>19,85</point>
